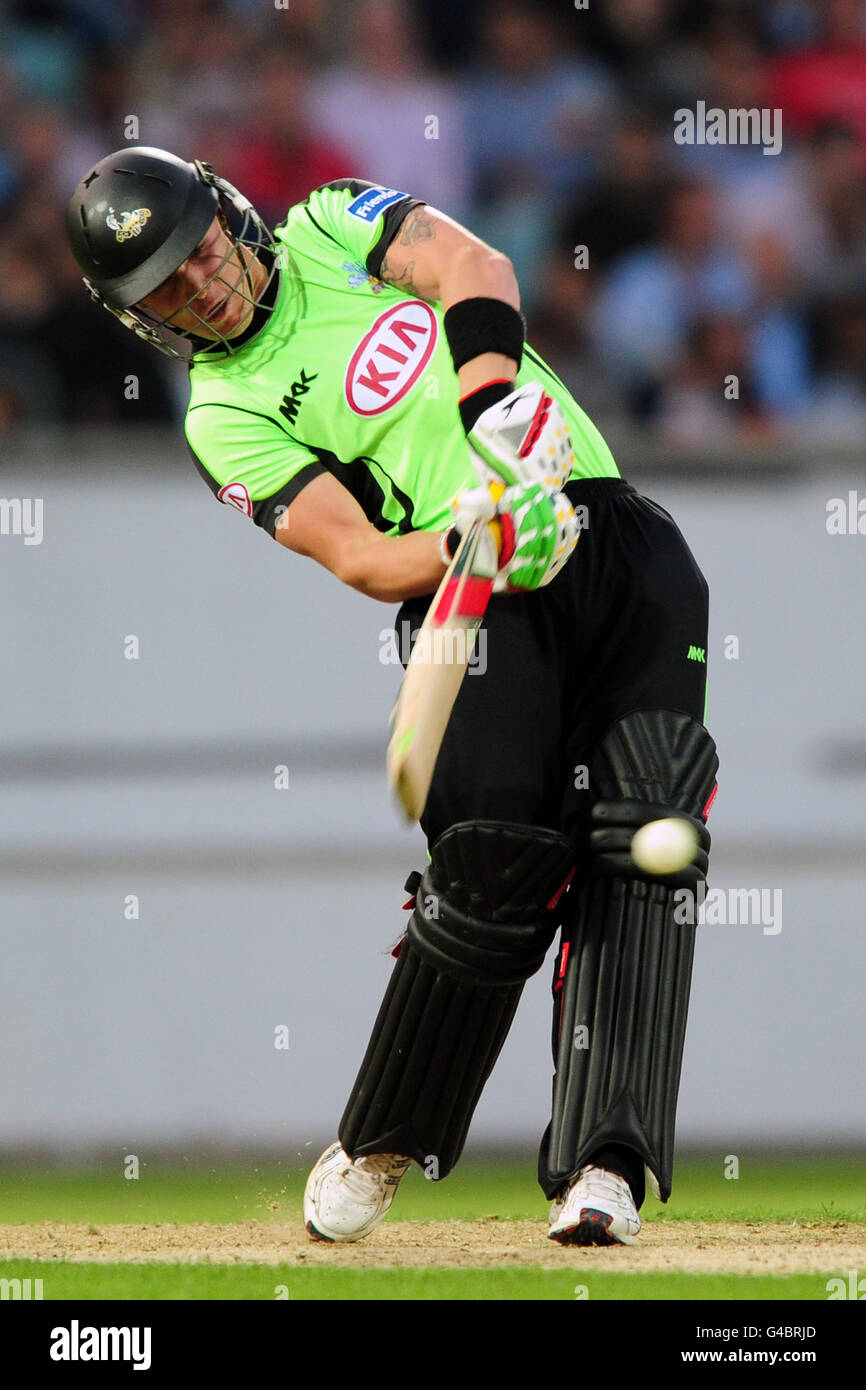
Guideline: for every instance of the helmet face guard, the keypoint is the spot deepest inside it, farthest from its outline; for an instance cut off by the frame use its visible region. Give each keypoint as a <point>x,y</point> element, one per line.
<point>247,238</point>
<point>127,255</point>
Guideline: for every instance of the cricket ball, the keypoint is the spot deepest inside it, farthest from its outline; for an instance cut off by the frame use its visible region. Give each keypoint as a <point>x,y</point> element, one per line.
<point>664,846</point>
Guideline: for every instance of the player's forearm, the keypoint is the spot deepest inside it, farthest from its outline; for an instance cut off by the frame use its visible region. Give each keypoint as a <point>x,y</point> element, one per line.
<point>392,568</point>
<point>479,272</point>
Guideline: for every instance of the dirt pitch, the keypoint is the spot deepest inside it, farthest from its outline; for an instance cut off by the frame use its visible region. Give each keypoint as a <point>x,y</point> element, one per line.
<point>695,1247</point>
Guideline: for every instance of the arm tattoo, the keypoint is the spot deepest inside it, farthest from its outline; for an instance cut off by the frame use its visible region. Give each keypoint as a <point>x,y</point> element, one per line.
<point>403,280</point>
<point>417,226</point>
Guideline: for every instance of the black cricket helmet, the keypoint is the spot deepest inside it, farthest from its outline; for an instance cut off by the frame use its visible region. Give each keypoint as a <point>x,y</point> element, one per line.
<point>138,215</point>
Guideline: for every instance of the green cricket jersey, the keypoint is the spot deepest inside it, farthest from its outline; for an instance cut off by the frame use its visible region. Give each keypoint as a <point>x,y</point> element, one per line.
<point>348,376</point>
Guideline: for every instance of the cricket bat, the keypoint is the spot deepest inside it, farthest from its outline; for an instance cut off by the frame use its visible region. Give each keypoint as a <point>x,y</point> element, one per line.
<point>435,672</point>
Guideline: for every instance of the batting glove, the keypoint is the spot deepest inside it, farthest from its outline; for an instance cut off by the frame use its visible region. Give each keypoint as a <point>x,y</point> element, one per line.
<point>522,439</point>
<point>529,536</point>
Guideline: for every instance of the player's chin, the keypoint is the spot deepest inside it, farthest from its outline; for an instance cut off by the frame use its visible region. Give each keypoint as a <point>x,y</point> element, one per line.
<point>229,323</point>
<point>245,321</point>
<point>235,322</point>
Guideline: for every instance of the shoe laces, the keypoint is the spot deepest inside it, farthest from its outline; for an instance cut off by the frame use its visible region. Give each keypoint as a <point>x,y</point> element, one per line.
<point>608,1182</point>
<point>375,1169</point>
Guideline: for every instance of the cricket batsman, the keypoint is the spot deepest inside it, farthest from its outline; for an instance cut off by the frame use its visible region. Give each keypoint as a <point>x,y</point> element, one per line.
<point>361,389</point>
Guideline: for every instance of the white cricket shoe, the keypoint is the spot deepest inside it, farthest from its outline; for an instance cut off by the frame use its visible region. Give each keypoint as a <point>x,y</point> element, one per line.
<point>596,1208</point>
<point>346,1200</point>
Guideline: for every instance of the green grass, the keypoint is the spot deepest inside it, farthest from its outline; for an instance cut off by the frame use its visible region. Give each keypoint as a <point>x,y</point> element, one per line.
<point>804,1189</point>
<point>264,1282</point>
<point>164,1191</point>
<point>775,1189</point>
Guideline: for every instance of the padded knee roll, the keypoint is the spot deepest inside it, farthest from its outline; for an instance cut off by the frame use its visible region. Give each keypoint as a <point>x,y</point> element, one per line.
<point>625,969</point>
<point>480,928</point>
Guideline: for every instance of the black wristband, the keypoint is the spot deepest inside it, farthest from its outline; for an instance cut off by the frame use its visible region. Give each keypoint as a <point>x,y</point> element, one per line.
<point>478,401</point>
<point>475,326</point>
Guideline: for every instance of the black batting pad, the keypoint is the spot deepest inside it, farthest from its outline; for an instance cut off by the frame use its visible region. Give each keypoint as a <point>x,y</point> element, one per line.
<point>625,969</point>
<point>481,926</point>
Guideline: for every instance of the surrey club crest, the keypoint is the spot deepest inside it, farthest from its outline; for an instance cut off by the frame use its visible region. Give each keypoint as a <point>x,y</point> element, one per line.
<point>127,224</point>
<point>359,275</point>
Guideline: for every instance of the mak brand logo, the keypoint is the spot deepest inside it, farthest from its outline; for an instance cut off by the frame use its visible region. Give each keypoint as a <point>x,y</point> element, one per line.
<point>390,358</point>
<point>237,495</point>
<point>372,201</point>
<point>292,402</point>
<point>130,223</point>
<point>697,654</point>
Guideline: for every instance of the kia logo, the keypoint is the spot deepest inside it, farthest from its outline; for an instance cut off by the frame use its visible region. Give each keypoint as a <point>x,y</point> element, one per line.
<point>236,495</point>
<point>390,358</point>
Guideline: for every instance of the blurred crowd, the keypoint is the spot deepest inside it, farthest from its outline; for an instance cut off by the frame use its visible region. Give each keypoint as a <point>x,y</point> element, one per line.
<point>701,291</point>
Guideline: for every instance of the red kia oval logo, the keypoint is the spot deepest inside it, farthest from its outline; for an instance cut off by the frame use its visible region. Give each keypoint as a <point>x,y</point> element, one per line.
<point>236,495</point>
<point>390,358</point>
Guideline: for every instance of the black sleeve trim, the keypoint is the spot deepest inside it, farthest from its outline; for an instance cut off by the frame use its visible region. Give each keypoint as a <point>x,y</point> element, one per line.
<point>394,218</point>
<point>355,186</point>
<point>392,222</point>
<point>268,511</point>
<point>265,513</point>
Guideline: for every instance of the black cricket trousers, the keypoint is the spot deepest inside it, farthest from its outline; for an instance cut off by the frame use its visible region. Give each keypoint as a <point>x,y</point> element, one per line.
<point>622,627</point>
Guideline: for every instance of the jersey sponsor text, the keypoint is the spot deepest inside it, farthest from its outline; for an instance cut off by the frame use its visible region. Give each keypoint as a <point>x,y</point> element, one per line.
<point>390,358</point>
<point>372,201</point>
